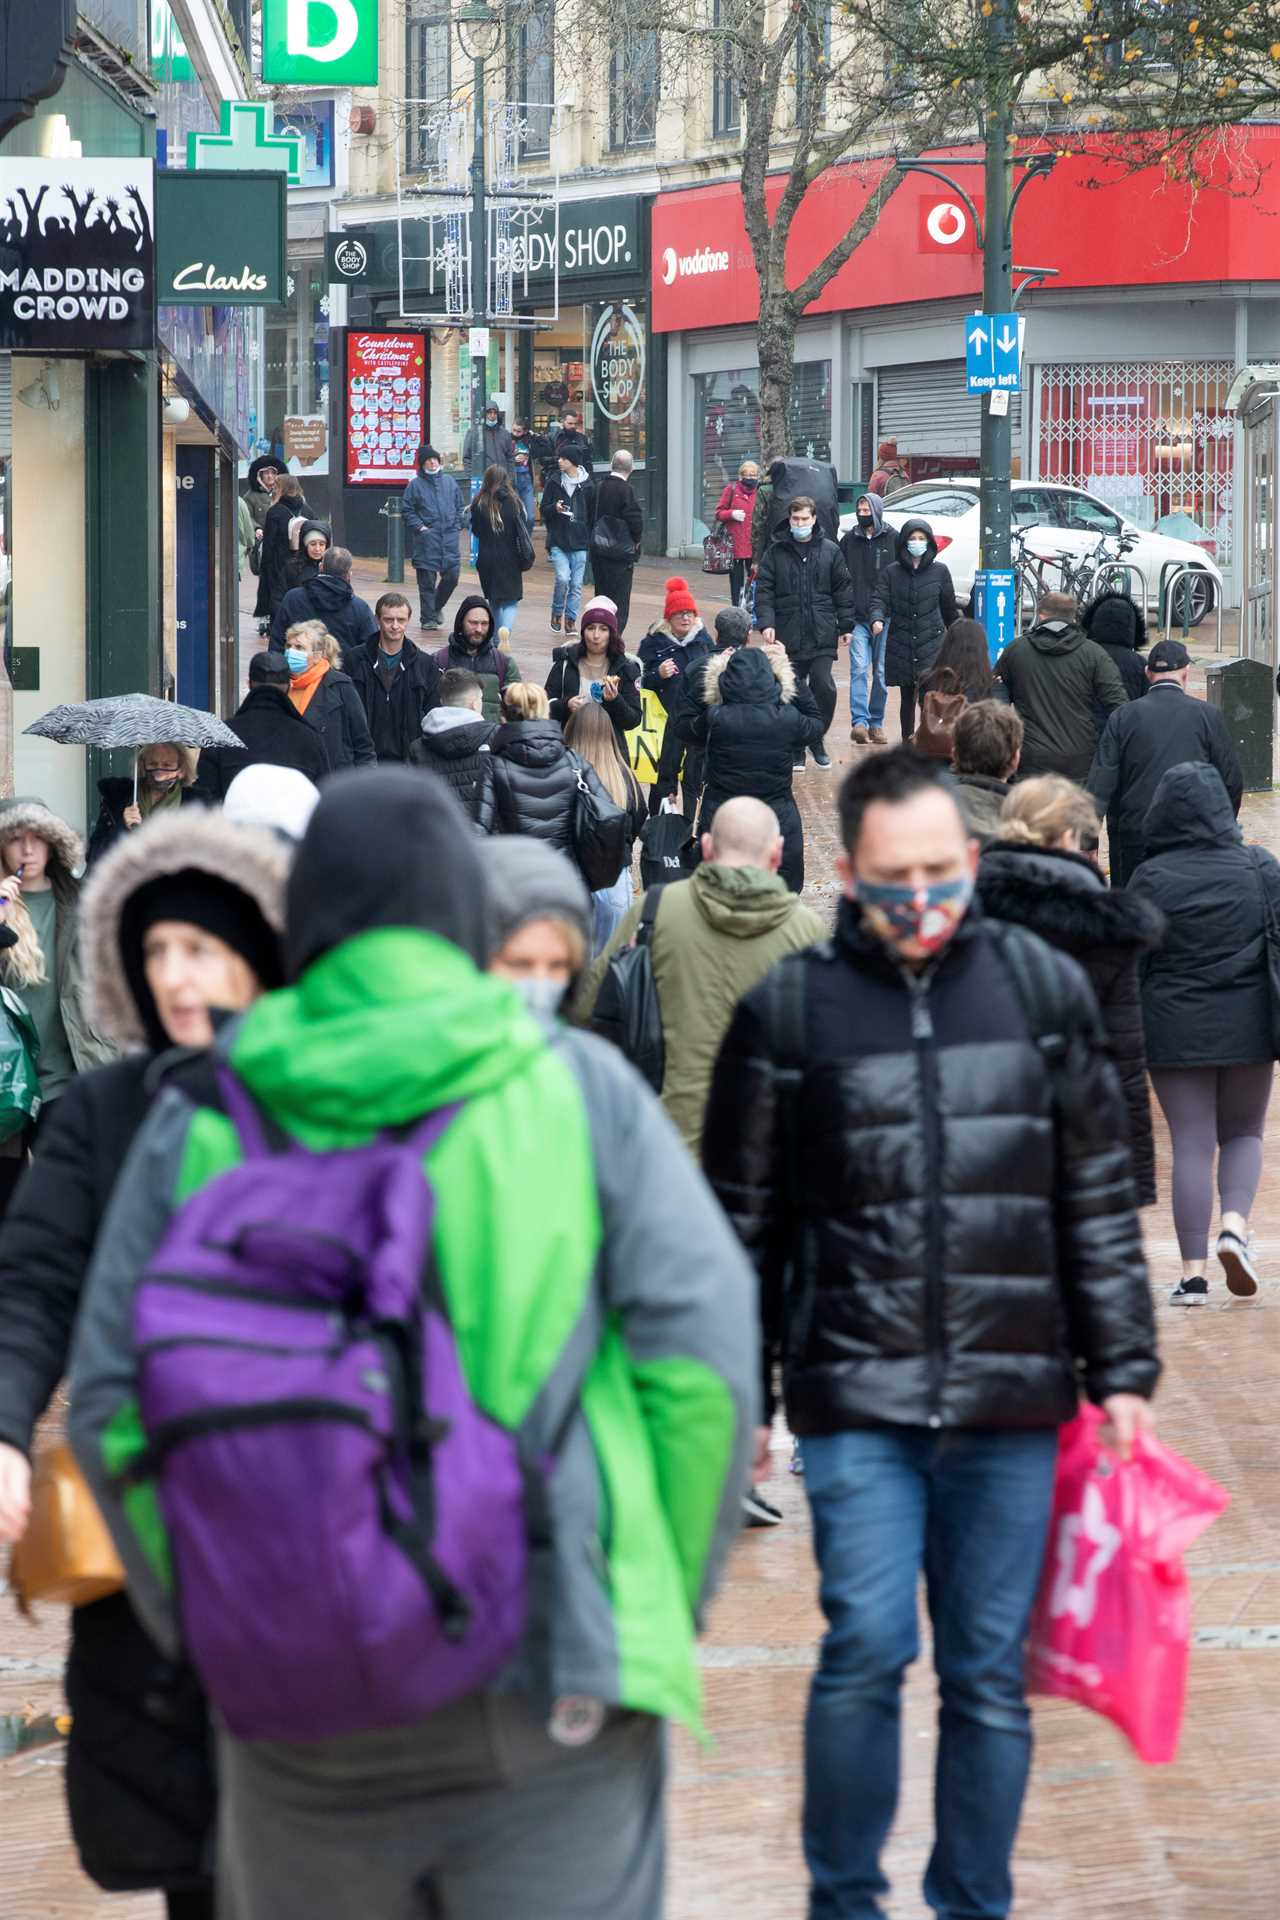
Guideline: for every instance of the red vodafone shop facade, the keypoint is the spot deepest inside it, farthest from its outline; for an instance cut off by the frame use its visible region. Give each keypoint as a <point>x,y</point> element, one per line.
<point>1160,293</point>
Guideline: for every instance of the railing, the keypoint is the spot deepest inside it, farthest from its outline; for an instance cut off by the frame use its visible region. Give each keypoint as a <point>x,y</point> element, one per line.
<point>1167,591</point>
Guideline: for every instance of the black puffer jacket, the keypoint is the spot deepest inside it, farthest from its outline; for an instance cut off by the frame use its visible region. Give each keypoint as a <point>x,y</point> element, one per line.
<point>755,726</point>
<point>1206,991</point>
<point>956,1233</point>
<point>804,593</point>
<point>454,745</point>
<point>1063,898</point>
<point>919,604</point>
<point>529,784</point>
<point>1119,625</point>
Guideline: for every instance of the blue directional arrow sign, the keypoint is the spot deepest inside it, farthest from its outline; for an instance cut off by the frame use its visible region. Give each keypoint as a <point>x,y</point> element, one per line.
<point>992,353</point>
<point>995,604</point>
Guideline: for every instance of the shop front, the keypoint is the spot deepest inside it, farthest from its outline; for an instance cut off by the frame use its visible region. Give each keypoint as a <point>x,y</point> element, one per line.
<point>880,354</point>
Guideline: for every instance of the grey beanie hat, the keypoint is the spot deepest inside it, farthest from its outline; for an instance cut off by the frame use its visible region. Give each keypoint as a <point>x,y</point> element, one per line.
<point>529,881</point>
<point>733,624</point>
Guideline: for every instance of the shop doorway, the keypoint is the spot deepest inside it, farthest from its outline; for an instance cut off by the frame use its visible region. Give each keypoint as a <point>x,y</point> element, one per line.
<point>1260,523</point>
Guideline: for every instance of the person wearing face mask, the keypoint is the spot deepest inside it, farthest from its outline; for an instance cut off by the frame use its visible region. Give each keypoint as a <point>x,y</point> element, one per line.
<point>271,731</point>
<point>804,598</point>
<point>868,548</point>
<point>326,697</point>
<point>164,778</point>
<point>539,923</point>
<point>433,514</point>
<point>489,444</point>
<point>672,654</point>
<point>912,604</point>
<point>181,917</point>
<point>943,1219</point>
<point>736,509</point>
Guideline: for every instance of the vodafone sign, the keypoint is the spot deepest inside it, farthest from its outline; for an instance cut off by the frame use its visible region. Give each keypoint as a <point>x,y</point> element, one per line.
<point>1099,225</point>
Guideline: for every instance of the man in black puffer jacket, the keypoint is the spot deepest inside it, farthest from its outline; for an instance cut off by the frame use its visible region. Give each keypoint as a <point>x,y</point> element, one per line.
<point>455,737</point>
<point>804,598</point>
<point>915,599</point>
<point>941,1211</point>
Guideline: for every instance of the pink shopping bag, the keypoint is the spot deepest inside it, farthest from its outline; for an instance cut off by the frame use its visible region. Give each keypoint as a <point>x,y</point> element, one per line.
<point>1111,1626</point>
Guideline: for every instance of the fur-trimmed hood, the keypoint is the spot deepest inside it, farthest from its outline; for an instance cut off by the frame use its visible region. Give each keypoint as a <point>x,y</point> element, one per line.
<point>196,837</point>
<point>746,681</point>
<point>26,815</point>
<point>1053,894</point>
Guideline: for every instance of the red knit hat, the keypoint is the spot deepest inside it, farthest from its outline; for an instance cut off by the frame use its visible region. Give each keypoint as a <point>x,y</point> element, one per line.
<point>679,598</point>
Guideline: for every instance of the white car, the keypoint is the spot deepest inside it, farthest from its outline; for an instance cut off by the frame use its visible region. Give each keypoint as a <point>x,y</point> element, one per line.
<point>1057,520</point>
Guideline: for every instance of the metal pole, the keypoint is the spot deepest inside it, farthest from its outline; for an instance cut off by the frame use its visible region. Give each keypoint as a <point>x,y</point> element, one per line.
<point>479,276</point>
<point>997,284</point>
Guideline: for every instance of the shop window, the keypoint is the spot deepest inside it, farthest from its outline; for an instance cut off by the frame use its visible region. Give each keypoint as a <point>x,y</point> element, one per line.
<point>295,399</point>
<point>633,88</point>
<point>1150,438</point>
<point>531,76</point>
<point>726,98</point>
<point>812,61</point>
<point>727,427</point>
<point>427,73</point>
<point>595,360</point>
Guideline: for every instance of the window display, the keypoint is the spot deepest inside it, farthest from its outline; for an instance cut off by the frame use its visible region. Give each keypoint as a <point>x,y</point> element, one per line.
<point>727,427</point>
<point>594,360</point>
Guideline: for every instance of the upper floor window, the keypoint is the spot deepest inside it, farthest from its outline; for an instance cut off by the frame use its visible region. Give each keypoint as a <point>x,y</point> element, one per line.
<point>531,75</point>
<point>428,76</point>
<point>812,59</point>
<point>726,98</point>
<point>633,88</point>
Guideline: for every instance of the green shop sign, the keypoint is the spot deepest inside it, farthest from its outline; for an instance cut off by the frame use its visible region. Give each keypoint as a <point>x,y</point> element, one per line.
<point>220,239</point>
<point>320,43</point>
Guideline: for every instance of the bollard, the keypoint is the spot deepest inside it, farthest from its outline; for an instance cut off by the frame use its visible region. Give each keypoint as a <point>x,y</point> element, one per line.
<point>395,541</point>
<point>1244,692</point>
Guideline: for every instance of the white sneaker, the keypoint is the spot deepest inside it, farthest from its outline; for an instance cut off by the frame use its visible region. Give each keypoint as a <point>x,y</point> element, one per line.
<point>1241,1274</point>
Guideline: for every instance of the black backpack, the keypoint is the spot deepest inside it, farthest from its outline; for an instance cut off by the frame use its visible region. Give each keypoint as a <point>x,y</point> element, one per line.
<point>668,849</point>
<point>626,1010</point>
<point>790,477</point>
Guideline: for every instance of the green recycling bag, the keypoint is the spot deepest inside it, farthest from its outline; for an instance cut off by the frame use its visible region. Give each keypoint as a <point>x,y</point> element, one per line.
<point>19,1051</point>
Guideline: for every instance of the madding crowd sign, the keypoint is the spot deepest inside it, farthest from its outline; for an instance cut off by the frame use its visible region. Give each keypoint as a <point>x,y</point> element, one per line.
<point>77,255</point>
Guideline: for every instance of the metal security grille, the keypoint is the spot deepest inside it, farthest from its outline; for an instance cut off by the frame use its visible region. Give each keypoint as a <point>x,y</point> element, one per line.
<point>6,405</point>
<point>1152,437</point>
<point>926,410</point>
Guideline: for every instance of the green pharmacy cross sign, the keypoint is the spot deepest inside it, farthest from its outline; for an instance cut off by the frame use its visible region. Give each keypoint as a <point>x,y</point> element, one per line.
<point>245,142</point>
<point>320,43</point>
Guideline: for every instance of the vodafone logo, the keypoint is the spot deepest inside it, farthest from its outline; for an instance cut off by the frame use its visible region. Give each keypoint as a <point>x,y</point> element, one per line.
<point>946,227</point>
<point>685,266</point>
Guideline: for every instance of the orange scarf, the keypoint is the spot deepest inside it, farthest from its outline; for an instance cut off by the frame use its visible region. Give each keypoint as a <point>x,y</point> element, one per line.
<point>305,684</point>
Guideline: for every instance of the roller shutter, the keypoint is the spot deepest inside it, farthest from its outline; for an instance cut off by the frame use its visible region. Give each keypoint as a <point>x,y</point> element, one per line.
<point>927,411</point>
<point>6,405</point>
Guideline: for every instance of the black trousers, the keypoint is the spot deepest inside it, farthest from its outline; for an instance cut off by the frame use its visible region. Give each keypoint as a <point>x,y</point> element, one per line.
<point>613,578</point>
<point>678,766</point>
<point>434,590</point>
<point>738,580</point>
<point>816,675</point>
<point>908,715</point>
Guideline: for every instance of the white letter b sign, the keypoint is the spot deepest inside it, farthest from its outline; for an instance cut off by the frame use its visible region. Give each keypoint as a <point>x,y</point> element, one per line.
<point>320,42</point>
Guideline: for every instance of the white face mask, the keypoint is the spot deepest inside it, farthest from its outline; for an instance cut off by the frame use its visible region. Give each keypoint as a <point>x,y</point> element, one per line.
<point>543,998</point>
<point>917,548</point>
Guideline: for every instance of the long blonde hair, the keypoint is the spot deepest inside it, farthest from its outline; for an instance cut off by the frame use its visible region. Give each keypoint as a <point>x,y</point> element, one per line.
<point>1036,813</point>
<point>24,965</point>
<point>525,701</point>
<point>590,733</point>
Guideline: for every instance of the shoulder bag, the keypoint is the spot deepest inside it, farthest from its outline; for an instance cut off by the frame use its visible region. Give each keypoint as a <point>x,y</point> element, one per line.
<point>599,834</point>
<point>66,1553</point>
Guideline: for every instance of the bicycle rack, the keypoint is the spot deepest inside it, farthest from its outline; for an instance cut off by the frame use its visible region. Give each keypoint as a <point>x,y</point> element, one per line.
<point>1167,586</point>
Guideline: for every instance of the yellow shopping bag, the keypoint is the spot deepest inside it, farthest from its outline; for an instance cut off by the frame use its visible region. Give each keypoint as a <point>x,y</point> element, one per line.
<point>644,743</point>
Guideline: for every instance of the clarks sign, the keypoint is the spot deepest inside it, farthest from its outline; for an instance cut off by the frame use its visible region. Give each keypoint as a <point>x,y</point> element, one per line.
<point>77,255</point>
<point>220,239</point>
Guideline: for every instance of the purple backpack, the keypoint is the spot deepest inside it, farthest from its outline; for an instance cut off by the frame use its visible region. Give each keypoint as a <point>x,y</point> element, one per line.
<point>348,1529</point>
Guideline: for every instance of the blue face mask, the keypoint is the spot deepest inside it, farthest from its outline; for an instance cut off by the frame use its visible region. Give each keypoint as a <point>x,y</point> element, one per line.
<point>543,998</point>
<point>802,530</point>
<point>296,656</point>
<point>926,915</point>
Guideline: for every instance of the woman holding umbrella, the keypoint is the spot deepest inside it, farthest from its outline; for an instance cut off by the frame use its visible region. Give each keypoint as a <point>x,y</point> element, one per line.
<point>163,776</point>
<point>40,856</point>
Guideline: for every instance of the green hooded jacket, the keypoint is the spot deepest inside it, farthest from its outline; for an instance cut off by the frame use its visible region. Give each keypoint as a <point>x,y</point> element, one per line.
<point>615,1330</point>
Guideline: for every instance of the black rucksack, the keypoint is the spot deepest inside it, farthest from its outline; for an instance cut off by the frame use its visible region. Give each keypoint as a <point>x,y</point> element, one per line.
<point>626,1010</point>
<point>790,477</point>
<point>668,849</point>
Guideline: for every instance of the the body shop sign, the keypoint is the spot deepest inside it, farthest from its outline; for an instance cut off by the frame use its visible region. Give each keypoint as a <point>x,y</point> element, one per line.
<point>386,407</point>
<point>617,361</point>
<point>77,255</point>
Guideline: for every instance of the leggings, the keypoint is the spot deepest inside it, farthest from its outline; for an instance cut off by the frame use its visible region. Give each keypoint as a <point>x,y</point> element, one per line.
<point>816,675</point>
<point>1208,1108</point>
<point>907,712</point>
<point>194,1904</point>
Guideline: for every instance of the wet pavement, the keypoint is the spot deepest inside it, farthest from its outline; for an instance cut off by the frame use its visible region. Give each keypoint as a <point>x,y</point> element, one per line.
<point>1104,1838</point>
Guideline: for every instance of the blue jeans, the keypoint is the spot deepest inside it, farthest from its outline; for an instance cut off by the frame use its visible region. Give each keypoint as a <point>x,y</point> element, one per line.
<point>505,616</point>
<point>609,908</point>
<point>866,652</point>
<point>971,1510</point>
<point>566,596</point>
<point>524,493</point>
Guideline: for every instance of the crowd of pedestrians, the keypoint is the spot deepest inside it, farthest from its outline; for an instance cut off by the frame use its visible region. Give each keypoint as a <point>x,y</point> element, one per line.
<point>424,1359</point>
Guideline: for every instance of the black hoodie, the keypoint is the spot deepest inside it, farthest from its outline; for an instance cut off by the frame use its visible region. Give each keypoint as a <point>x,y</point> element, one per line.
<point>1207,998</point>
<point>918,604</point>
<point>494,668</point>
<point>328,597</point>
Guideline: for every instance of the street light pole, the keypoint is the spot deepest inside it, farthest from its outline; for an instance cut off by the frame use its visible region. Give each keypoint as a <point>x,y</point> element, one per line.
<point>479,271</point>
<point>997,286</point>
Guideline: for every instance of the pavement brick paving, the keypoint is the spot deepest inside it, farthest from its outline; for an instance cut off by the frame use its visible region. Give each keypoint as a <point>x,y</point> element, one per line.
<point>1104,1838</point>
